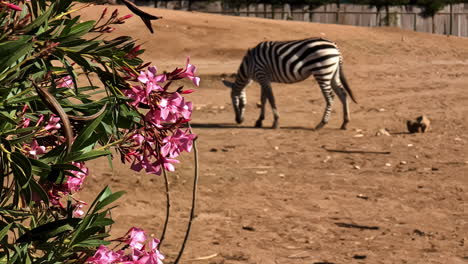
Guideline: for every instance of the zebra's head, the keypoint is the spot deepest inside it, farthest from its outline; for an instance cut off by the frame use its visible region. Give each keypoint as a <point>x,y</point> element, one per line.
<point>239,100</point>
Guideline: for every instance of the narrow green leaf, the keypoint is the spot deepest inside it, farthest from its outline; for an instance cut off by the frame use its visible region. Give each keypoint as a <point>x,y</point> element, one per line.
<point>35,187</point>
<point>36,23</point>
<point>86,133</point>
<point>4,231</point>
<point>80,156</point>
<point>81,29</point>
<point>5,117</point>
<point>92,243</point>
<point>110,199</point>
<point>49,230</point>
<point>22,169</point>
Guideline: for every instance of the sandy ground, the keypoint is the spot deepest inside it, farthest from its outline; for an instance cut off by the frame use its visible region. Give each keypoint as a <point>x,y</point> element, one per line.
<point>283,196</point>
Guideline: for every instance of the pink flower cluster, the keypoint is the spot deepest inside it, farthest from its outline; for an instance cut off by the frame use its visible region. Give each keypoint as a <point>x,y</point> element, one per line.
<point>161,139</point>
<point>140,253</point>
<point>73,183</point>
<point>50,138</point>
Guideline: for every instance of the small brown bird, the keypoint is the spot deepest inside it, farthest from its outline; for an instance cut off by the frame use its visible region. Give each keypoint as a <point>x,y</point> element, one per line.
<point>142,14</point>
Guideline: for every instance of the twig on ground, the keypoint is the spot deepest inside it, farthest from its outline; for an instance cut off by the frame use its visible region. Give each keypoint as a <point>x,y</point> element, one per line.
<point>357,151</point>
<point>204,257</point>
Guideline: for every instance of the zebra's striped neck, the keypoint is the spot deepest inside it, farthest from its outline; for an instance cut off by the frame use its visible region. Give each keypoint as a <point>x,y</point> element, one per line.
<point>244,74</point>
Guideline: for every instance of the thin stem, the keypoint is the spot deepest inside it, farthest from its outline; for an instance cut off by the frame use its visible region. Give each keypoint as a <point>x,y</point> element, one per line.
<point>168,206</point>
<point>194,196</point>
<point>110,144</point>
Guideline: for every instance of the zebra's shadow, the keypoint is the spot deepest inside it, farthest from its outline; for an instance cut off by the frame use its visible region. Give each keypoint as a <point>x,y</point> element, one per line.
<point>235,126</point>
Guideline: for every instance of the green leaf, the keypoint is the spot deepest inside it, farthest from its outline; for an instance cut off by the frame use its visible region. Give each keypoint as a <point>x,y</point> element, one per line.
<point>7,118</point>
<point>87,234</point>
<point>12,51</point>
<point>18,131</point>
<point>39,167</point>
<point>83,62</point>
<point>81,29</point>
<point>23,100</point>
<point>49,230</point>
<point>92,243</point>
<point>101,196</point>
<point>53,155</point>
<point>80,156</point>
<point>66,30</point>
<point>86,133</point>
<point>4,231</point>
<point>40,20</point>
<point>103,222</point>
<point>39,191</point>
<point>22,169</point>
<point>108,200</point>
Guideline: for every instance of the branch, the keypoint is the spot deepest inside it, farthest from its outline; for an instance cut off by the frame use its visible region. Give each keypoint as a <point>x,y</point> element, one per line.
<point>168,206</point>
<point>194,196</point>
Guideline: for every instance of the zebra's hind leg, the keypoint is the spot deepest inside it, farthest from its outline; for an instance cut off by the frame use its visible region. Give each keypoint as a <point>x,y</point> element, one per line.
<point>327,92</point>
<point>262,109</point>
<point>266,87</point>
<point>340,91</point>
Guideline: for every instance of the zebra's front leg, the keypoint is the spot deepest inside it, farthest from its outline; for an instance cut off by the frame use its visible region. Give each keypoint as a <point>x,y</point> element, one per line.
<point>328,95</point>
<point>271,98</point>
<point>262,109</point>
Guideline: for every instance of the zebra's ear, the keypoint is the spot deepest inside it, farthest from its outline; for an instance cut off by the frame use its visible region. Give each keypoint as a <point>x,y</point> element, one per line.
<point>228,84</point>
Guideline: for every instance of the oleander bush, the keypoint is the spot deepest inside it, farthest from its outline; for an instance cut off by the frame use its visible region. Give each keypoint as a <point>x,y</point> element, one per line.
<point>71,93</point>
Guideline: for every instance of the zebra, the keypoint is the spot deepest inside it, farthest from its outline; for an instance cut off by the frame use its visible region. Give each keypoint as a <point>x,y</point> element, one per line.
<point>291,62</point>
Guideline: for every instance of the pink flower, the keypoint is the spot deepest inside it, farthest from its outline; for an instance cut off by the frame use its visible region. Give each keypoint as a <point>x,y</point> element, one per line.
<point>108,29</point>
<point>35,149</point>
<point>120,19</point>
<point>140,93</point>
<point>167,163</point>
<point>154,256</point>
<point>53,123</point>
<point>170,109</point>
<point>136,238</point>
<point>11,6</point>
<point>26,122</point>
<point>143,162</point>
<point>178,142</point>
<point>78,212</point>
<point>137,94</point>
<point>151,80</point>
<point>189,73</point>
<point>138,139</point>
<point>104,255</point>
<point>64,82</point>
<point>75,183</point>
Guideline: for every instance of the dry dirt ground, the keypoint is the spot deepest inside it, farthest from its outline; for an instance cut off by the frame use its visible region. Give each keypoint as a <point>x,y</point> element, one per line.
<point>283,196</point>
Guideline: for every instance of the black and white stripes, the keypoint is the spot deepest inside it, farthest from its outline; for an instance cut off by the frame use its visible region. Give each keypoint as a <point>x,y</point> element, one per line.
<point>290,62</point>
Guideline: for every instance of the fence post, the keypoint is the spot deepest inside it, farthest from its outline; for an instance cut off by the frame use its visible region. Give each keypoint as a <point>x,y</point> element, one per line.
<point>451,20</point>
<point>338,14</point>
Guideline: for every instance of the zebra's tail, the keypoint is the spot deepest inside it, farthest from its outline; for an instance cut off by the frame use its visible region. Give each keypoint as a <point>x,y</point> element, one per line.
<point>345,82</point>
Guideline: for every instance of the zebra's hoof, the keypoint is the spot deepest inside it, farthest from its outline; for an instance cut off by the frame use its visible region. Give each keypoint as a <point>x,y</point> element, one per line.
<point>343,127</point>
<point>258,124</point>
<point>320,125</point>
<point>275,126</point>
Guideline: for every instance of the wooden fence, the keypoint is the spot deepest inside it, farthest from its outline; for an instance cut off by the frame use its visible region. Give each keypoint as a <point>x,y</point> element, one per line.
<point>452,19</point>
